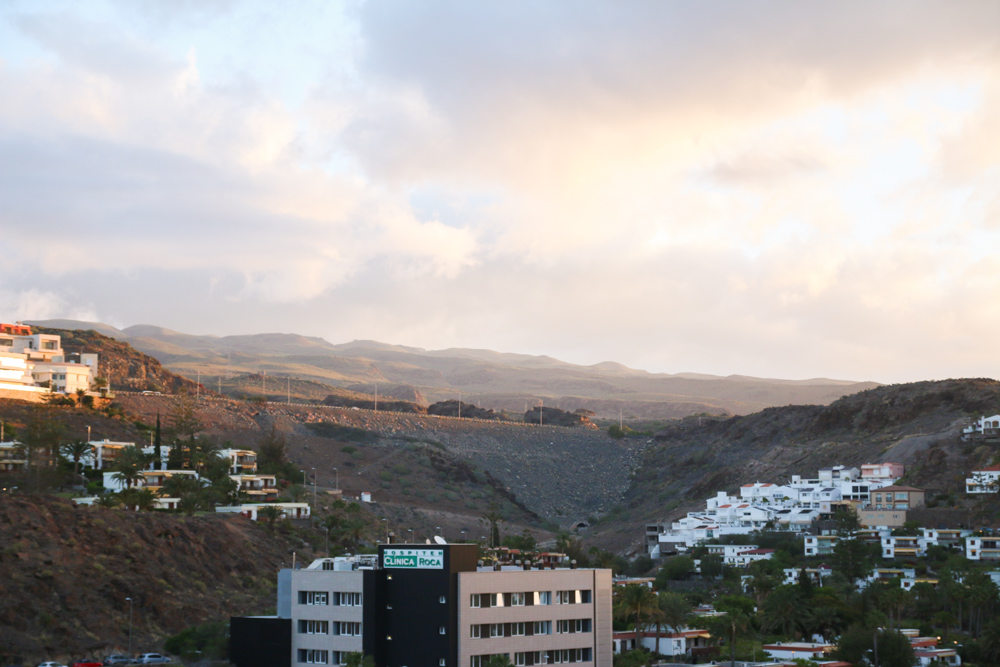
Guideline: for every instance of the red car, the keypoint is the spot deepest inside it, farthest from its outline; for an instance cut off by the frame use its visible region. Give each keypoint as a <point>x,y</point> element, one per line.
<point>87,663</point>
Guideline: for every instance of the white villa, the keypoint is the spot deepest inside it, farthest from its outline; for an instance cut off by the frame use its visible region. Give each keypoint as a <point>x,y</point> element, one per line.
<point>35,363</point>
<point>986,480</point>
<point>986,426</point>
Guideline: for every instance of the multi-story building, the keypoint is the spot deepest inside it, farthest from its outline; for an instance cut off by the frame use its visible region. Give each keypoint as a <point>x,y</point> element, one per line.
<point>241,461</point>
<point>819,545</point>
<point>36,363</point>
<point>982,548</point>
<point>896,498</point>
<point>432,605</point>
<point>12,456</point>
<point>984,480</point>
<point>988,427</point>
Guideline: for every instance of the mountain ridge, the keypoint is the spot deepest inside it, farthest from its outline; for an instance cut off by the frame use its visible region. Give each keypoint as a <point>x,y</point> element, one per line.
<point>497,380</point>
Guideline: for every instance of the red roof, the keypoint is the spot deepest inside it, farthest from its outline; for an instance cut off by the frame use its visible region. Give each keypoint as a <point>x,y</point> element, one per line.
<point>988,469</point>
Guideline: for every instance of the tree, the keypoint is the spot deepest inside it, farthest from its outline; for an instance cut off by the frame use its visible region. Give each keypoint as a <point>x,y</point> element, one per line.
<point>184,424</point>
<point>499,660</point>
<point>736,622</point>
<point>637,604</point>
<point>270,514</point>
<point>157,442</point>
<point>674,568</point>
<point>989,642</point>
<point>712,567</point>
<point>895,650</point>
<point>272,454</point>
<point>76,451</point>
<point>675,613</point>
<point>784,610</point>
<point>359,660</point>
<point>128,466</point>
<point>493,519</point>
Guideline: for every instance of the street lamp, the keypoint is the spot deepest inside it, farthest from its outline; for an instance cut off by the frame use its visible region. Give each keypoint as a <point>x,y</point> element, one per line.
<point>314,487</point>
<point>437,530</point>
<point>129,623</point>
<point>88,434</point>
<point>386,530</point>
<point>410,531</point>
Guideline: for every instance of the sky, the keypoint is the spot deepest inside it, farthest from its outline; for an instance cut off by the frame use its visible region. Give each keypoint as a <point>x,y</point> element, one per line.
<point>777,189</point>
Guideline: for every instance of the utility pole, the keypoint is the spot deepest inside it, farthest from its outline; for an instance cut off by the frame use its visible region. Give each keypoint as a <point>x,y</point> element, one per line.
<point>289,389</point>
<point>376,397</point>
<point>197,389</point>
<point>129,627</point>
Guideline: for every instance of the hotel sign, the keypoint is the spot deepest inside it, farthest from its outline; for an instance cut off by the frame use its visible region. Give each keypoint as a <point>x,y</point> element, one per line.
<point>413,559</point>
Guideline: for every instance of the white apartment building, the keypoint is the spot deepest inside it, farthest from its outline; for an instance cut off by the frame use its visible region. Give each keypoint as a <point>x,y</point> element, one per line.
<point>985,480</point>
<point>36,363</point>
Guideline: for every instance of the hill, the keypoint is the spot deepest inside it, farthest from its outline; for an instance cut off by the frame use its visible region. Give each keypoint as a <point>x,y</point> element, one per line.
<point>66,571</point>
<point>492,380</point>
<point>124,367</point>
<point>916,424</point>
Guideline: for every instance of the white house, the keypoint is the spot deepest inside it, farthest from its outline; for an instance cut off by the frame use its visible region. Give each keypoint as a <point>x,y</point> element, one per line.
<point>986,426</point>
<point>796,650</point>
<point>985,480</point>
<point>249,510</point>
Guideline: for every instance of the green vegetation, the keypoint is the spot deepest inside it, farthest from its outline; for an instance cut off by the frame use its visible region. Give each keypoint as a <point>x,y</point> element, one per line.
<point>209,641</point>
<point>340,432</point>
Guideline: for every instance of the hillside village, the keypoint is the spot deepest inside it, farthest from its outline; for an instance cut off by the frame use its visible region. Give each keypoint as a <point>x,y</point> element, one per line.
<point>816,568</point>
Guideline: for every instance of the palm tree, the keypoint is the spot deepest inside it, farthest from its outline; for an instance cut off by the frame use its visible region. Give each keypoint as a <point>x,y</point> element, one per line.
<point>76,451</point>
<point>675,613</point>
<point>270,514</point>
<point>638,604</point>
<point>784,610</point>
<point>129,465</point>
<point>989,642</point>
<point>108,500</point>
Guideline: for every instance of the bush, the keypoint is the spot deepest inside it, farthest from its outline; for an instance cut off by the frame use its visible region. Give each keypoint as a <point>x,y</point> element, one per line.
<point>210,640</point>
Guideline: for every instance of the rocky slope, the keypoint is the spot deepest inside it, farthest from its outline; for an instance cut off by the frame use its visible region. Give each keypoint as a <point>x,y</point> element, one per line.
<point>124,367</point>
<point>915,424</point>
<point>66,571</point>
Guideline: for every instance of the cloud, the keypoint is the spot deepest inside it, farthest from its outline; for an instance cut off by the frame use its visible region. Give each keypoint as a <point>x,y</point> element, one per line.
<point>777,189</point>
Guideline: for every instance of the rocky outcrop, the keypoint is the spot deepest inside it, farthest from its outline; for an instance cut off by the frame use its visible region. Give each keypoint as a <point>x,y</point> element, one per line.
<point>464,410</point>
<point>557,417</point>
<point>400,392</point>
<point>124,367</point>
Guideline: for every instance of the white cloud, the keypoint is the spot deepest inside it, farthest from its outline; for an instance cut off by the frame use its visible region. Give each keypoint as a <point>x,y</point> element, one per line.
<point>781,189</point>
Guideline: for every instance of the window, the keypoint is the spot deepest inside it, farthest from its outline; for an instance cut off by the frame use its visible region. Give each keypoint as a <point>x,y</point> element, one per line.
<point>347,628</point>
<point>474,601</point>
<point>49,345</point>
<point>543,627</point>
<point>901,496</point>
<point>585,597</point>
<point>520,659</point>
<point>347,599</point>
<point>314,597</point>
<point>517,599</point>
<point>313,656</point>
<point>7,342</point>
<point>543,597</point>
<point>314,627</point>
<point>477,631</point>
<point>496,629</point>
<point>562,597</point>
<point>517,629</point>
<point>562,627</point>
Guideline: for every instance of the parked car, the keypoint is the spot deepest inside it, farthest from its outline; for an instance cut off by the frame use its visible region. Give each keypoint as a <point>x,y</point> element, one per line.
<point>118,660</point>
<point>51,664</point>
<point>87,663</point>
<point>152,659</point>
